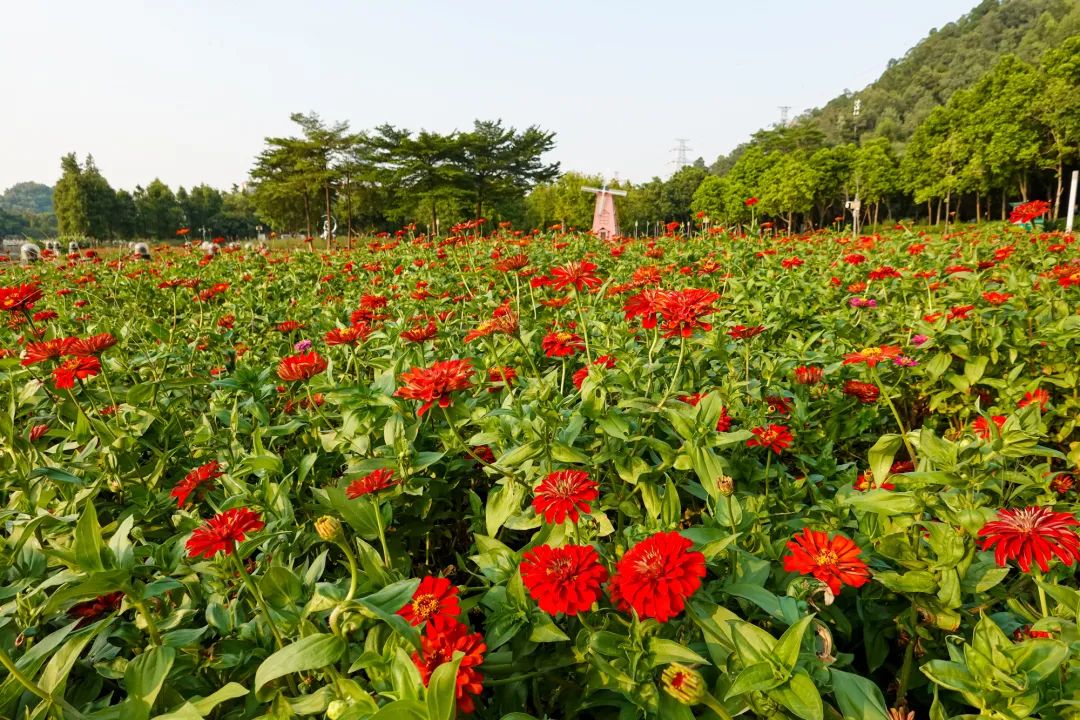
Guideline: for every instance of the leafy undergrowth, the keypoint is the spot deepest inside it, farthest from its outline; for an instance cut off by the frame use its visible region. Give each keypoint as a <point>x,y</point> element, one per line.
<point>544,475</point>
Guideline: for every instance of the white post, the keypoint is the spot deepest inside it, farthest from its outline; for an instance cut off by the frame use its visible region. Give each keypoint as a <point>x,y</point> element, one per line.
<point>1072,202</point>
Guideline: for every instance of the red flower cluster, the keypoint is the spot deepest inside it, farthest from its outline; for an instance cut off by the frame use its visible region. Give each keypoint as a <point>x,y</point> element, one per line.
<point>563,494</point>
<point>1032,533</point>
<point>443,637</point>
<point>561,344</point>
<point>563,579</point>
<point>773,437</point>
<point>434,384</point>
<point>834,561</point>
<point>373,482</point>
<point>1026,212</point>
<point>866,393</point>
<point>871,356</point>
<point>433,598</point>
<point>301,367</point>
<point>200,480</point>
<point>655,577</point>
<point>223,532</point>
<point>19,298</point>
<point>580,275</point>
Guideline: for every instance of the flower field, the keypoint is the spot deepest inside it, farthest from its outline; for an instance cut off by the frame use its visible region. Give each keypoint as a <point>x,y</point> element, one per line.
<point>513,475</point>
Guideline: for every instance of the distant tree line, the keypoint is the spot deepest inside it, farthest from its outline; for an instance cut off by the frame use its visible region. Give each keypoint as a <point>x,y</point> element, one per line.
<point>26,209</point>
<point>390,176</point>
<point>1012,135</point>
<point>87,206</point>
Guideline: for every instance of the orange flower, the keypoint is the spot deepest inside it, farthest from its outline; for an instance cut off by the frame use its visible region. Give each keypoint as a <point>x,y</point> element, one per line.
<point>834,561</point>
<point>873,355</point>
<point>301,367</point>
<point>434,384</point>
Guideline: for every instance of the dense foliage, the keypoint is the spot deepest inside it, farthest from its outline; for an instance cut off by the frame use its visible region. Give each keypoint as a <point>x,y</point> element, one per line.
<point>545,476</point>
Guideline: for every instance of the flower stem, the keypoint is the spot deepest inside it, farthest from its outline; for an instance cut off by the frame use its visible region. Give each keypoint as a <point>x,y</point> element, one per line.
<point>259,600</point>
<point>354,573</point>
<point>477,458</point>
<point>675,375</point>
<point>30,685</point>
<point>382,544</point>
<point>151,626</point>
<point>896,416</point>
<point>584,325</point>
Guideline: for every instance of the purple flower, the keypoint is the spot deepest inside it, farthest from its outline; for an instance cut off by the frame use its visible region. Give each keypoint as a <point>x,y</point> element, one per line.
<point>905,361</point>
<point>919,340</point>
<point>302,346</point>
<point>859,302</point>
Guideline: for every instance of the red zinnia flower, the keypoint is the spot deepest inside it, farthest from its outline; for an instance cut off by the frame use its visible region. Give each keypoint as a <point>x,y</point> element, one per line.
<point>808,375</point>
<point>1038,395</point>
<point>289,326</point>
<point>742,332</point>
<point>442,638</point>
<point>1026,212</point>
<point>65,375</point>
<point>750,201</point>
<point>434,384</point>
<point>563,579</point>
<point>560,344</point>
<point>646,305</point>
<point>579,274</point>
<point>420,333</point>
<point>605,360</point>
<point>866,393</point>
<point>773,437</point>
<point>563,494</point>
<point>834,561</point>
<point>301,367</point>
<point>91,610</point>
<point>682,310</point>
<point>345,336</point>
<point>996,298</point>
<point>38,431</point>
<point>222,532</point>
<point>45,315</point>
<point>1030,533</point>
<point>37,352</point>
<point>204,475</point>
<point>93,345</point>
<point>374,481</point>
<point>434,597</point>
<point>656,576</point>
<point>873,355</point>
<point>981,425</point>
<point>500,378</point>
<point>20,297</point>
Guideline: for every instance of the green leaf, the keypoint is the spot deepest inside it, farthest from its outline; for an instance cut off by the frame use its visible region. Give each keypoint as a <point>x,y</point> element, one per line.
<point>785,609</point>
<point>545,630</point>
<point>280,586</point>
<point>401,710</point>
<point>309,653</point>
<point>502,502</point>
<point>143,680</point>
<point>754,678</point>
<point>800,696</point>
<point>885,502</point>
<point>385,603</point>
<point>204,706</point>
<point>664,651</point>
<point>88,545</point>
<point>790,643</point>
<point>881,456</point>
<point>441,700</point>
<point>858,698</point>
<point>916,581</point>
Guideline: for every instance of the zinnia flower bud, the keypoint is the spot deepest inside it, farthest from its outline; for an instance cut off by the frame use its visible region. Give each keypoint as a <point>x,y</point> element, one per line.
<point>683,684</point>
<point>726,485</point>
<point>329,528</point>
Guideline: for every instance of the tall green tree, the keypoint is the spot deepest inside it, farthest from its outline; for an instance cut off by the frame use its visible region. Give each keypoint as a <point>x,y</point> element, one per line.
<point>160,215</point>
<point>499,164</point>
<point>69,199</point>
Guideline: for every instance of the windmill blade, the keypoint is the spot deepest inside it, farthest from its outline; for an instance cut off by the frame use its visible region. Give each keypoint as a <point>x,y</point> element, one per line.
<point>586,188</point>
<point>616,192</point>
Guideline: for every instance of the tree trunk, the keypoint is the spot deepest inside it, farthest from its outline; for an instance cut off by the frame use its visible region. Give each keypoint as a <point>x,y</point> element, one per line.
<point>307,214</point>
<point>1003,215</point>
<point>948,204</point>
<point>1060,187</point>
<point>929,213</point>
<point>877,210</point>
<point>348,211</point>
<point>1024,188</point>
<point>329,219</point>
<point>978,208</point>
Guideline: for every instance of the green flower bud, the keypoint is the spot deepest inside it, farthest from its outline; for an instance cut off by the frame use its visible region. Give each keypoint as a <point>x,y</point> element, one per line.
<point>329,528</point>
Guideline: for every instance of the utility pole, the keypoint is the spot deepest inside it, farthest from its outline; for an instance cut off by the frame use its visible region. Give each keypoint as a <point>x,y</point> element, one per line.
<point>856,206</point>
<point>1072,203</point>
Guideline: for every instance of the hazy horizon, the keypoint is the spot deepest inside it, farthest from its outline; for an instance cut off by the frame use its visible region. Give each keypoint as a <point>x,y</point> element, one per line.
<point>187,93</point>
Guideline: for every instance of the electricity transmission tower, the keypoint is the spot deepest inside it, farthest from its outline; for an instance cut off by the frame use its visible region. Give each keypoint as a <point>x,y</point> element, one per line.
<point>682,153</point>
<point>784,110</point>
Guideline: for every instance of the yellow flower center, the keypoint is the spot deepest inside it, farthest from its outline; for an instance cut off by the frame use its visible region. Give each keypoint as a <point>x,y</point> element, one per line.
<point>425,606</point>
<point>826,557</point>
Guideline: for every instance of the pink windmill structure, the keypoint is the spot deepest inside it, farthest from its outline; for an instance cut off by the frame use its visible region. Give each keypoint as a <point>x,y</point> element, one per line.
<point>605,224</point>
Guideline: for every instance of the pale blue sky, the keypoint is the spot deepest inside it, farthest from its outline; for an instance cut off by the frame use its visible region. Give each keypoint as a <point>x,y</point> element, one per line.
<point>186,90</point>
